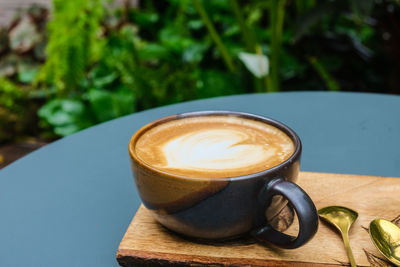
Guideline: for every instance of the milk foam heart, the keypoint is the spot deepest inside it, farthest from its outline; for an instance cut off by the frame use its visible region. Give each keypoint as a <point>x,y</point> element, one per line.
<point>214,146</point>
<point>215,149</point>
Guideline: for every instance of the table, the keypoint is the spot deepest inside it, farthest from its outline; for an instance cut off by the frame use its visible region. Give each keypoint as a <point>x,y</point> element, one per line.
<point>69,203</point>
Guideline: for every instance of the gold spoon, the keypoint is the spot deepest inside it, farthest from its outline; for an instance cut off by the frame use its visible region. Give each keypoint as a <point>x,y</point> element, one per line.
<point>386,237</point>
<point>342,218</point>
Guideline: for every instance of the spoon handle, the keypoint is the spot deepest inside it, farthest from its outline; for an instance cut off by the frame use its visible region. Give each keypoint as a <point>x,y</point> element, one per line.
<point>345,236</point>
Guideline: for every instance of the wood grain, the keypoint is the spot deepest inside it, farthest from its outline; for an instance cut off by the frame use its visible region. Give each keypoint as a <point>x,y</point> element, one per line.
<point>146,243</point>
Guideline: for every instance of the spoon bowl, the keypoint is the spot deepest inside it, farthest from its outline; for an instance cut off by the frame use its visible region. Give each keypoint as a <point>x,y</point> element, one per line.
<point>342,218</point>
<point>386,237</point>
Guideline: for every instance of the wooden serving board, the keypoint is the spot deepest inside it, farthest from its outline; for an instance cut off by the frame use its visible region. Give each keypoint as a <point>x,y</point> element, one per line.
<point>146,243</point>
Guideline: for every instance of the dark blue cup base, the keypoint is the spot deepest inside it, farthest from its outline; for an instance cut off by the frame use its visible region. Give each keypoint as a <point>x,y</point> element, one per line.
<point>281,222</point>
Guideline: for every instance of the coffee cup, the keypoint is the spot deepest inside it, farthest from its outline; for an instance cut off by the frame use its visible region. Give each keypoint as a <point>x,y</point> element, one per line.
<point>212,175</point>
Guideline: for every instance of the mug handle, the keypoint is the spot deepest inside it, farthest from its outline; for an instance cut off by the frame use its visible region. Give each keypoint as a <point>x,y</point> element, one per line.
<point>302,204</point>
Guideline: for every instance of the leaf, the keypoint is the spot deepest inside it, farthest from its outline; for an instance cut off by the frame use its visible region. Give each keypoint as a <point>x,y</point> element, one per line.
<point>107,105</point>
<point>195,52</point>
<point>195,24</point>
<point>10,95</point>
<point>72,106</point>
<point>173,39</point>
<point>376,261</point>
<point>124,101</point>
<point>61,111</point>
<point>66,116</point>
<point>102,104</point>
<point>105,80</point>
<point>258,65</point>
<point>27,76</point>
<point>27,70</point>
<point>60,117</point>
<point>146,18</point>
<point>153,51</point>
<point>66,129</point>
<point>255,15</point>
<point>231,31</point>
<point>214,82</point>
<point>129,31</point>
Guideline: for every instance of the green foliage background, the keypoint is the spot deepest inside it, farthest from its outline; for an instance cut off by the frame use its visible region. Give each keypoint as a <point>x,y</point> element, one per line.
<point>105,61</point>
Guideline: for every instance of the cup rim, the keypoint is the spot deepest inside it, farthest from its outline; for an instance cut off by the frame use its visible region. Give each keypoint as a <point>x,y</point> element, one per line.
<point>281,126</point>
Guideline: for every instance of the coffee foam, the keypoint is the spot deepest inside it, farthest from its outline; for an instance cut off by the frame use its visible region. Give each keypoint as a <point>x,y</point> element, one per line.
<point>213,146</point>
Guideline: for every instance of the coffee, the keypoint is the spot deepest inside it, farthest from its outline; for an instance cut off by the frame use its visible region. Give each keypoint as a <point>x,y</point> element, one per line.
<point>222,174</point>
<point>213,146</point>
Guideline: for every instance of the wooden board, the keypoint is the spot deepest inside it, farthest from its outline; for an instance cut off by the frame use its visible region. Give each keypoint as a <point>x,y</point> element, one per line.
<point>146,243</point>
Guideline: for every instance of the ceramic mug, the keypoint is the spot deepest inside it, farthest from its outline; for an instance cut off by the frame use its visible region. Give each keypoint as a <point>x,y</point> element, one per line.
<point>225,208</point>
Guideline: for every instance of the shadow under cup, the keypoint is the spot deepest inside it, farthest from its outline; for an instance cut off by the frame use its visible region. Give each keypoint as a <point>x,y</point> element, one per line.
<point>224,208</point>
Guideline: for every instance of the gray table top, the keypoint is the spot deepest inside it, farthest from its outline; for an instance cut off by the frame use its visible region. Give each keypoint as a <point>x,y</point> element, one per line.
<point>69,203</point>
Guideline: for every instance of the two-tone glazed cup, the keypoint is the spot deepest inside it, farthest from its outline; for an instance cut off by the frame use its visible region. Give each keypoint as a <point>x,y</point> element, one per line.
<point>226,208</point>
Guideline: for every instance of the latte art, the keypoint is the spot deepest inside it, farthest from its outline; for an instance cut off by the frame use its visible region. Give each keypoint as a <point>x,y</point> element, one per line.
<point>216,149</point>
<point>214,146</point>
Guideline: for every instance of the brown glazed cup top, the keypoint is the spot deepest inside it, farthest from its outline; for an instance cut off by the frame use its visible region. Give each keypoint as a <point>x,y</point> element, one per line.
<point>280,126</point>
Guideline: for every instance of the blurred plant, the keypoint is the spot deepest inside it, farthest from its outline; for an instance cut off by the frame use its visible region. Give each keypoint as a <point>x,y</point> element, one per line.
<point>10,108</point>
<point>104,68</point>
<point>105,61</point>
<point>74,43</point>
<point>74,46</point>
<point>21,55</point>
